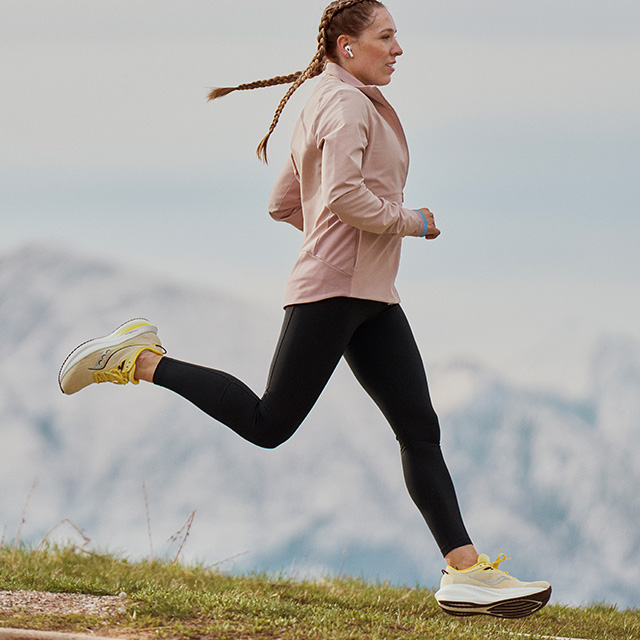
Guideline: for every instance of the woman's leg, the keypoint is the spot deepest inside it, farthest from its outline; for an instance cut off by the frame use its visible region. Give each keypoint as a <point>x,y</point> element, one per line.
<point>385,359</point>
<point>312,341</point>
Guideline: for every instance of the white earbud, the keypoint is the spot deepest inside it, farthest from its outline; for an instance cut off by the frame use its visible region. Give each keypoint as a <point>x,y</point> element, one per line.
<point>349,52</point>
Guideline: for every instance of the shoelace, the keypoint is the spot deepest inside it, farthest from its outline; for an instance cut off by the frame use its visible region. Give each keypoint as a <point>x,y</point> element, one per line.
<point>117,375</point>
<point>491,565</point>
<point>123,373</point>
<point>496,563</point>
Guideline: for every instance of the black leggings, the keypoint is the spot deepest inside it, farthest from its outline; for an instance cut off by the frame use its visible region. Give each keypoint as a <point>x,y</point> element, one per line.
<point>377,342</point>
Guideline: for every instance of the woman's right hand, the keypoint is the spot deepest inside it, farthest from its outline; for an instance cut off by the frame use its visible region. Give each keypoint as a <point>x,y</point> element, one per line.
<point>432,230</point>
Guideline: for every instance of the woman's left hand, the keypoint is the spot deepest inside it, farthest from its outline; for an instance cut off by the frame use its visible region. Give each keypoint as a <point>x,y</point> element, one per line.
<point>432,231</point>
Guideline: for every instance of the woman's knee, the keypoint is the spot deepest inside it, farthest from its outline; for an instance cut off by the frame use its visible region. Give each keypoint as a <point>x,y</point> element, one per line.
<point>422,429</point>
<point>270,441</point>
<point>271,435</point>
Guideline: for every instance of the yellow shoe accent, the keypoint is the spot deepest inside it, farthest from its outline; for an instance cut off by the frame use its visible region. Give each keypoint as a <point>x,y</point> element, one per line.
<point>483,562</point>
<point>131,326</point>
<point>125,371</point>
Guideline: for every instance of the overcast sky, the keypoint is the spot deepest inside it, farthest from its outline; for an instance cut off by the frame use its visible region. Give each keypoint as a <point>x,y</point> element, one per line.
<point>521,117</point>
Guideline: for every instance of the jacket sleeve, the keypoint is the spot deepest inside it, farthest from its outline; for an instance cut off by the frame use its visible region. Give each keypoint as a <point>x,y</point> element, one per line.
<point>285,202</point>
<point>342,133</point>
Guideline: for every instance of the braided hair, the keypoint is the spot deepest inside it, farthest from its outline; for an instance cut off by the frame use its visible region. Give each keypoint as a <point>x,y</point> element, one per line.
<point>350,17</point>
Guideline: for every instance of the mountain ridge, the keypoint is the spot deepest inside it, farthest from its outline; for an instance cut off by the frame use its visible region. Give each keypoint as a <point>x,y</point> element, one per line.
<point>550,480</point>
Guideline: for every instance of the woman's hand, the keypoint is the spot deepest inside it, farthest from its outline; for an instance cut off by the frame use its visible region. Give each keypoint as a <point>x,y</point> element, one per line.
<point>432,230</point>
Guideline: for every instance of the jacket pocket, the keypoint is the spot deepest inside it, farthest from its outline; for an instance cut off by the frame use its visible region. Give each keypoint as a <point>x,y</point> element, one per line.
<point>337,245</point>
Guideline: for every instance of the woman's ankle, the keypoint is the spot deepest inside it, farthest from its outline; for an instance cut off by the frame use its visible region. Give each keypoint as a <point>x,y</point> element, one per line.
<point>146,364</point>
<point>462,558</point>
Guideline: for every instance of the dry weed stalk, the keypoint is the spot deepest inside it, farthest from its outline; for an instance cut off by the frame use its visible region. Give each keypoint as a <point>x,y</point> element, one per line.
<point>344,556</point>
<point>24,514</point>
<point>72,524</point>
<point>146,505</point>
<point>186,527</point>
<point>217,564</point>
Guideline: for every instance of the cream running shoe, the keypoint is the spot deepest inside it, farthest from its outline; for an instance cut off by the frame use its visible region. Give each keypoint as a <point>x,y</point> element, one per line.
<point>111,358</point>
<point>484,589</point>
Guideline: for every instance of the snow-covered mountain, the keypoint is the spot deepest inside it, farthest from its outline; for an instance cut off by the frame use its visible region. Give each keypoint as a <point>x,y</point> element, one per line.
<point>551,482</point>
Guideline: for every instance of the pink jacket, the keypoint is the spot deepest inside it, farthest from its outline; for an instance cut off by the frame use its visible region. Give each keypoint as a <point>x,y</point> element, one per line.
<point>342,187</point>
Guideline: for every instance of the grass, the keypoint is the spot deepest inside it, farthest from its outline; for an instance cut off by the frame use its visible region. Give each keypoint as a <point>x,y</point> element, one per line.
<point>172,600</point>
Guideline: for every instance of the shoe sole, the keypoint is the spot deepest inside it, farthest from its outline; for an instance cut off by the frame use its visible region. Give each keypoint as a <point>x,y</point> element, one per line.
<point>128,330</point>
<point>514,607</point>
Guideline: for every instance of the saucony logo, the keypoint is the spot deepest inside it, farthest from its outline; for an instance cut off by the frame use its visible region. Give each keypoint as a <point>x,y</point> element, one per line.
<point>105,356</point>
<point>103,359</point>
<point>493,582</point>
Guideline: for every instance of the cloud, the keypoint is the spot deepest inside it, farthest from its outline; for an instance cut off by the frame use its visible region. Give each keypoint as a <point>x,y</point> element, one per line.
<point>521,119</point>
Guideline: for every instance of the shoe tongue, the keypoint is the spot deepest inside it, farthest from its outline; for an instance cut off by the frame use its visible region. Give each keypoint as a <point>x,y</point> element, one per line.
<point>483,558</point>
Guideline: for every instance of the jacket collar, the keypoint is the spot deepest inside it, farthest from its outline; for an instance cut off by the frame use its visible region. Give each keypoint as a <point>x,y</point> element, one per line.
<point>373,93</point>
<point>334,69</point>
<point>370,90</point>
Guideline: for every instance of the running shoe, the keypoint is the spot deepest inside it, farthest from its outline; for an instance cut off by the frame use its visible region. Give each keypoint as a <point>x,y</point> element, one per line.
<point>111,358</point>
<point>484,589</point>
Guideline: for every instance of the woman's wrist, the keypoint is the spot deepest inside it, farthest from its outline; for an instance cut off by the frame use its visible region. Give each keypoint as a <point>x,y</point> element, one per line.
<point>426,223</point>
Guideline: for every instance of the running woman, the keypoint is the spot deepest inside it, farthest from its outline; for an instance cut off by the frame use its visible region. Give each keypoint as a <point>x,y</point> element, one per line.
<point>342,187</point>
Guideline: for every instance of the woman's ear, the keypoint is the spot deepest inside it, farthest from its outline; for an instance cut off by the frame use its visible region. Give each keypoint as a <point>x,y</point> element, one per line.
<point>344,47</point>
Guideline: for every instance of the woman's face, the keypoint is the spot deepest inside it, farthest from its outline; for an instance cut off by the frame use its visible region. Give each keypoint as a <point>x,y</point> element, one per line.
<point>374,52</point>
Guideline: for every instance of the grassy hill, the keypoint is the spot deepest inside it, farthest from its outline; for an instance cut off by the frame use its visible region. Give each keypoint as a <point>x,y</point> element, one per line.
<point>171,600</point>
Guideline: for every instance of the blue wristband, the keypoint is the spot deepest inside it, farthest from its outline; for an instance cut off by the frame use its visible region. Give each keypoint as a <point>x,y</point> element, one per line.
<point>426,224</point>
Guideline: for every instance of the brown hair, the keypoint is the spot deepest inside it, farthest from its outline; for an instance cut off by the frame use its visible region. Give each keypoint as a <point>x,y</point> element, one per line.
<point>348,17</point>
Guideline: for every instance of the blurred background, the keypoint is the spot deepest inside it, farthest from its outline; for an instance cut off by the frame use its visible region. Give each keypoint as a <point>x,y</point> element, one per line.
<point>122,191</point>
